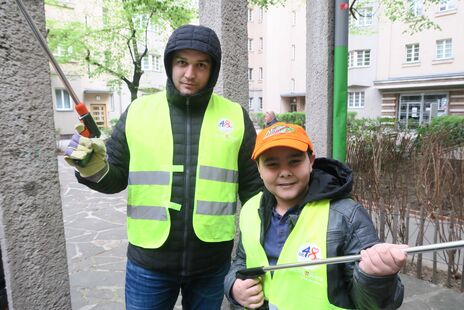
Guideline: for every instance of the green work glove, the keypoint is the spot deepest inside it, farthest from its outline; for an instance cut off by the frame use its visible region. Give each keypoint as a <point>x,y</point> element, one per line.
<point>87,155</point>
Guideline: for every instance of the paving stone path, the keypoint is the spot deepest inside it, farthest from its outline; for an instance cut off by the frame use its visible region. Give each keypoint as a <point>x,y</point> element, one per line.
<point>96,243</point>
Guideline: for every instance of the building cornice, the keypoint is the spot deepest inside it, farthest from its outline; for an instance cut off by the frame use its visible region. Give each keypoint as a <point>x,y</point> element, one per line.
<point>424,81</point>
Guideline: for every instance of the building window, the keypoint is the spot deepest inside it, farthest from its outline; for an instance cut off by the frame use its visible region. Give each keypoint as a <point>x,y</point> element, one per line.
<point>293,107</point>
<point>260,103</point>
<point>416,7</point>
<point>412,52</point>
<point>250,74</point>
<point>293,51</point>
<point>364,17</point>
<point>60,51</point>
<point>63,100</point>
<point>151,63</point>
<point>356,99</point>
<point>261,15</point>
<point>359,58</point>
<point>250,45</point>
<point>250,103</point>
<point>142,22</point>
<point>111,103</point>
<point>446,5</point>
<point>444,49</point>
<point>157,63</point>
<point>293,18</point>
<point>292,84</point>
<point>250,15</point>
<point>261,43</point>
<point>146,63</point>
<point>416,109</point>
<point>260,73</point>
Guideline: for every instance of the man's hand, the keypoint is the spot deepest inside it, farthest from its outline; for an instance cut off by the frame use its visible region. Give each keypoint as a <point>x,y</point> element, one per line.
<point>383,259</point>
<point>248,293</point>
<point>87,155</point>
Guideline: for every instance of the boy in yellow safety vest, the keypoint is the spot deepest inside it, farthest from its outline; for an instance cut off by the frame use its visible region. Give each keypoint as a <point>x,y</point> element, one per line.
<point>304,214</point>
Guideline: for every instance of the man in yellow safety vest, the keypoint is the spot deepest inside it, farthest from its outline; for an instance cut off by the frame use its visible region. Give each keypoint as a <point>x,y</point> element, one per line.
<point>184,154</point>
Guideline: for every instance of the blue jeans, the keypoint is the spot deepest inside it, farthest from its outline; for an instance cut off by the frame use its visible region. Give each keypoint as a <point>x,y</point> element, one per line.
<point>149,290</point>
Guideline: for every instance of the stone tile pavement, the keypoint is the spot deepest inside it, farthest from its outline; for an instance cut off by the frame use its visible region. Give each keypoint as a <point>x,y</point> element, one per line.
<point>96,247</point>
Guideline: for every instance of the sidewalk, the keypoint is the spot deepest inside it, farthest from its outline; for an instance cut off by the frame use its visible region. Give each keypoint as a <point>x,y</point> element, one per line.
<point>96,248</point>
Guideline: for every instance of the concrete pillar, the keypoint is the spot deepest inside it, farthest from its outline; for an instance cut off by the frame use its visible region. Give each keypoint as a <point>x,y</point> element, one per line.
<point>228,18</point>
<point>32,232</point>
<point>320,19</point>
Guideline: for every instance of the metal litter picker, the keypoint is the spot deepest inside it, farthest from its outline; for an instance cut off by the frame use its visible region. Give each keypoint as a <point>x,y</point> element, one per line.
<point>250,273</point>
<point>91,129</point>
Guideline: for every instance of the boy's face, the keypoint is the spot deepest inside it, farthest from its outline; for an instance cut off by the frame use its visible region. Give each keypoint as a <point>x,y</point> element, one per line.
<point>285,173</point>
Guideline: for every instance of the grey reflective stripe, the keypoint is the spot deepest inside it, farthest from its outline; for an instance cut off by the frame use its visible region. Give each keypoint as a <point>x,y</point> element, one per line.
<point>147,213</point>
<point>216,208</point>
<point>218,174</point>
<point>149,178</point>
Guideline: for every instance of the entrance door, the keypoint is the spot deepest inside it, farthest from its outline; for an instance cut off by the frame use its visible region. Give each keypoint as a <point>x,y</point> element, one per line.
<point>410,111</point>
<point>415,110</point>
<point>98,112</point>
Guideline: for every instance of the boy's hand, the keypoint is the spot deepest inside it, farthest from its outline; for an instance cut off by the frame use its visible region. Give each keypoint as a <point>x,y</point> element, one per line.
<point>248,293</point>
<point>383,259</point>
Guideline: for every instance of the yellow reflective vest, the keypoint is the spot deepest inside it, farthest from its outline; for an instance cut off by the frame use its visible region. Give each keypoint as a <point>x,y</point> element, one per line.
<point>150,141</point>
<point>294,288</point>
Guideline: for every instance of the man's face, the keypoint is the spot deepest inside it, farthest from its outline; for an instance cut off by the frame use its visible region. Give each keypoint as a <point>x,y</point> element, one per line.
<point>191,70</point>
<point>267,117</point>
<point>285,173</point>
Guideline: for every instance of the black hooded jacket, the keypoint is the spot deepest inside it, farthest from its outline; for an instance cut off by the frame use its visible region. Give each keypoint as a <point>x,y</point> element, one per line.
<point>349,231</point>
<point>183,253</point>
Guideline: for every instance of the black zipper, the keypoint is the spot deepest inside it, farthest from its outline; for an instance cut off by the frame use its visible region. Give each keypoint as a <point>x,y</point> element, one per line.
<point>187,172</point>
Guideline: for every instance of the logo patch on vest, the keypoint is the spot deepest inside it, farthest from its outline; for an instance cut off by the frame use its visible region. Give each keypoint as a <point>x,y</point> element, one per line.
<point>225,125</point>
<point>307,253</point>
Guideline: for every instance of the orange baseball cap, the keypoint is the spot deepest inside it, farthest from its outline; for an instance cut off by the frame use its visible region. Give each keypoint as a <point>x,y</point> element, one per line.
<point>282,134</point>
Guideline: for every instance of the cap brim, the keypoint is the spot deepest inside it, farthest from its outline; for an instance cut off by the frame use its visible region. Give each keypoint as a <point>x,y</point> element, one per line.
<point>291,143</point>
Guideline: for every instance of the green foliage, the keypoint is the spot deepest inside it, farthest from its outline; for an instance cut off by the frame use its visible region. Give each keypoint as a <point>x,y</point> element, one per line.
<point>258,118</point>
<point>394,10</point>
<point>449,127</point>
<point>362,126</point>
<point>150,90</point>
<point>298,118</point>
<point>266,3</point>
<point>109,130</point>
<point>398,10</point>
<point>114,40</point>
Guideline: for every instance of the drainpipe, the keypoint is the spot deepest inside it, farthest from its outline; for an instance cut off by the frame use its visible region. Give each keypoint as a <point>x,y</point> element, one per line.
<point>340,80</point>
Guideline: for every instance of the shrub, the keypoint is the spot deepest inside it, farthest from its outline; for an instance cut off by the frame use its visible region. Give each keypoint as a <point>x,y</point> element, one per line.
<point>298,118</point>
<point>451,127</point>
<point>109,130</point>
<point>258,119</point>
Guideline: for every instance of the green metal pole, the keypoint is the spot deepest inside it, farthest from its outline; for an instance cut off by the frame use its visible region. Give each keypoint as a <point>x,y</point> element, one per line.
<point>340,80</point>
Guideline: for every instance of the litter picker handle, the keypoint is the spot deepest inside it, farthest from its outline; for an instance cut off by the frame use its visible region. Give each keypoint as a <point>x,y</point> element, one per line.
<point>249,273</point>
<point>91,128</point>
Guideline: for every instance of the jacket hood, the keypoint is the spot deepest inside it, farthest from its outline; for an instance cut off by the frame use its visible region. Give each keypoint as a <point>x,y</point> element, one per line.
<point>330,179</point>
<point>198,38</point>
